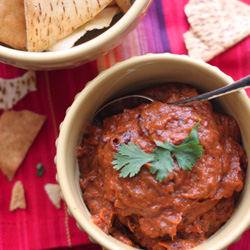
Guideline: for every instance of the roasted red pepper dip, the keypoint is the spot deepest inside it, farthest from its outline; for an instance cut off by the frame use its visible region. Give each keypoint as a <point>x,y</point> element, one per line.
<point>183,210</point>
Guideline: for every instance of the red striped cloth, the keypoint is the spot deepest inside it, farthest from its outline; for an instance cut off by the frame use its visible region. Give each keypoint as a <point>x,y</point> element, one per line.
<point>41,225</point>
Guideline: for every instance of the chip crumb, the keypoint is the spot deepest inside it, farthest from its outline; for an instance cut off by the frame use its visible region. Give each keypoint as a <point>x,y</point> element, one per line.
<point>53,192</point>
<point>17,197</point>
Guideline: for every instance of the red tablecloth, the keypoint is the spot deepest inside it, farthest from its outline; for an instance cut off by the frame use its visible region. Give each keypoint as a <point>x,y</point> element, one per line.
<point>41,225</point>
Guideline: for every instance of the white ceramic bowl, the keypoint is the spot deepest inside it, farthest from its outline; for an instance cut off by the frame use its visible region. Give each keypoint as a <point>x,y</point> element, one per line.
<point>82,53</point>
<point>131,75</point>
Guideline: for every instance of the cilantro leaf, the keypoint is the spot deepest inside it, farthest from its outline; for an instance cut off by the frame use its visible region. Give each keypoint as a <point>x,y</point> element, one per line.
<point>185,154</point>
<point>163,162</point>
<point>188,152</point>
<point>130,158</point>
<point>193,136</point>
<point>40,169</point>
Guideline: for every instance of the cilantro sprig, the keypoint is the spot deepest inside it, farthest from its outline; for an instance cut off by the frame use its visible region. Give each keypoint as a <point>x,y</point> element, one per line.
<point>130,158</point>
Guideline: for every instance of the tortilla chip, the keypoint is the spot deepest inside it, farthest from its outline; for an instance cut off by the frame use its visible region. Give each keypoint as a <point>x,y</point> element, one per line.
<point>53,192</point>
<point>13,27</point>
<point>50,21</point>
<point>102,20</point>
<point>17,197</point>
<point>123,4</point>
<point>216,25</point>
<point>18,130</point>
<point>12,90</point>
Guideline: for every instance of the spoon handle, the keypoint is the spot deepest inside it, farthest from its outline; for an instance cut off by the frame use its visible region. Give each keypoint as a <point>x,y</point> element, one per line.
<point>230,88</point>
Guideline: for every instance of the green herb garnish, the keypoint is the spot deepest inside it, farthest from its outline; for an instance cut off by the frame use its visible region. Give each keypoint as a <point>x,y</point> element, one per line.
<point>40,169</point>
<point>130,158</point>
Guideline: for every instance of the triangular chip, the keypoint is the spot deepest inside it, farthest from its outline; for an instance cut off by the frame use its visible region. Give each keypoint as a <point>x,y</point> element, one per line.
<point>12,90</point>
<point>17,197</point>
<point>49,21</point>
<point>102,20</point>
<point>216,25</point>
<point>123,4</point>
<point>53,192</point>
<point>198,49</point>
<point>13,27</point>
<point>18,130</point>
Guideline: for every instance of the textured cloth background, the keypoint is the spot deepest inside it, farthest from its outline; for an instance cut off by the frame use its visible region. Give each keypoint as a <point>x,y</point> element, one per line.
<point>41,225</point>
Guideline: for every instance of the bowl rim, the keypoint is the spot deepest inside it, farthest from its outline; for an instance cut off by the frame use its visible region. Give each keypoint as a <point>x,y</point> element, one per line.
<point>82,49</point>
<point>85,224</point>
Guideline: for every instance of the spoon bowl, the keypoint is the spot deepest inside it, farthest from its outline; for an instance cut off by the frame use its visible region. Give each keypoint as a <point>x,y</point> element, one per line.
<point>131,101</point>
<point>118,105</point>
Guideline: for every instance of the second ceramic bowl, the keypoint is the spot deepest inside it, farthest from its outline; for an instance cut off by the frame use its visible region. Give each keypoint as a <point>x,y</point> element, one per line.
<point>83,53</point>
<point>129,76</point>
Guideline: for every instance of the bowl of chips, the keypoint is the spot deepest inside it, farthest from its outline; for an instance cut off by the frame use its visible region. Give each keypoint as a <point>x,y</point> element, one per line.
<point>39,35</point>
<point>128,77</point>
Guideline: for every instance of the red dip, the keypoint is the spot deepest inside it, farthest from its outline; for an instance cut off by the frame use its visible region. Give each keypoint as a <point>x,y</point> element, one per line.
<point>183,210</point>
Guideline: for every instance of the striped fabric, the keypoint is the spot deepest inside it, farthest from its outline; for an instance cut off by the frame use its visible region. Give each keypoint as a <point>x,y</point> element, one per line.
<point>41,225</point>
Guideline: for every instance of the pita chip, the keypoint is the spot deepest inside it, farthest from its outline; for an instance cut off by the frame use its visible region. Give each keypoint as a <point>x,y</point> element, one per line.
<point>18,130</point>
<point>198,49</point>
<point>12,90</point>
<point>123,4</point>
<point>50,21</point>
<point>102,20</point>
<point>53,192</point>
<point>215,26</point>
<point>17,197</point>
<point>13,26</point>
